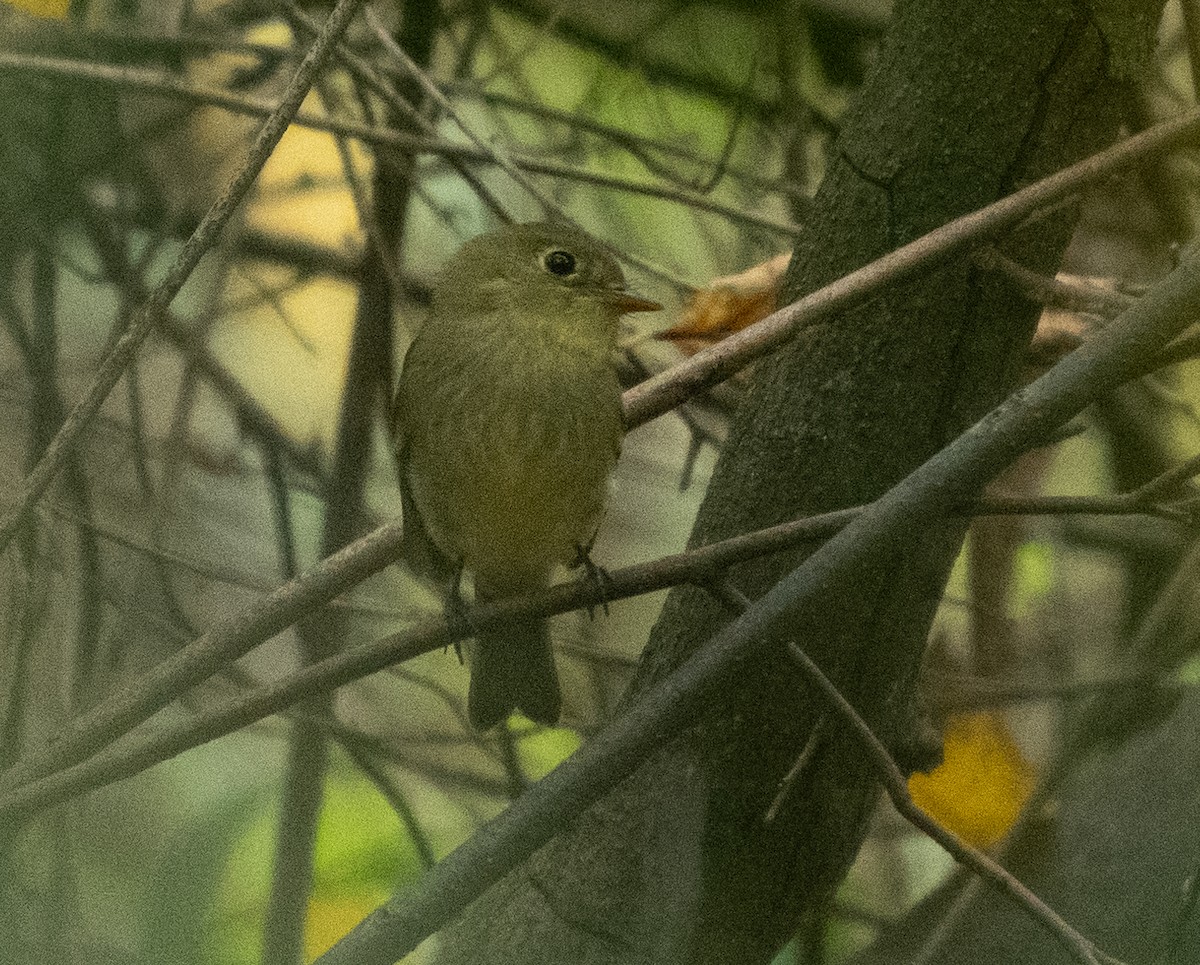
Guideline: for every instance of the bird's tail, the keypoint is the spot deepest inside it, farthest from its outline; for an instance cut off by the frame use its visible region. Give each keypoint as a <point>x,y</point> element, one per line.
<point>513,669</point>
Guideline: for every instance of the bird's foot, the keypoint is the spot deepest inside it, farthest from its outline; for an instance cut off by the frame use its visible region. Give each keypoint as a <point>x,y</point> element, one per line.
<point>596,574</point>
<point>458,622</point>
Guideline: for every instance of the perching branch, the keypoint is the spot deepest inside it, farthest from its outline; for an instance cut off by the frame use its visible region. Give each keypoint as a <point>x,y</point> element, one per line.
<point>901,514</point>
<point>205,656</point>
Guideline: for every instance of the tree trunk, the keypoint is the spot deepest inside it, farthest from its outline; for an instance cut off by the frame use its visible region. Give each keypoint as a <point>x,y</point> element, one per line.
<point>967,102</point>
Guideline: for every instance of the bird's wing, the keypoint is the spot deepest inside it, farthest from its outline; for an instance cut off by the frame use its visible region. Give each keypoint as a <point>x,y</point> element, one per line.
<point>418,549</point>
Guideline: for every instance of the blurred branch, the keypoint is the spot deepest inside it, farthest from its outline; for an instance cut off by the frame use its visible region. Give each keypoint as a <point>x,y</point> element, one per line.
<point>1191,33</point>
<point>253,417</point>
<point>1183,349</point>
<point>417,75</point>
<point>1059,292</point>
<point>402,105</point>
<point>129,41</point>
<point>204,237</point>
<point>309,258</point>
<point>683,75</point>
<point>47,413</point>
<point>224,642</point>
<point>366,763</point>
<point>896,785</point>
<point>548,204</point>
<point>455,153</point>
<point>1138,502</point>
<point>638,145</point>
<point>369,375</point>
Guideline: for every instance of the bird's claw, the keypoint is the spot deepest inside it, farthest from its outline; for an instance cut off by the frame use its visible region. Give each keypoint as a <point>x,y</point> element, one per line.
<point>458,623</point>
<point>596,574</point>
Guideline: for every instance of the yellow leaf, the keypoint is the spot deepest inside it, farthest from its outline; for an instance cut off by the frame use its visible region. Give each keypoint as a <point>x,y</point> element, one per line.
<point>982,783</point>
<point>329,919</point>
<point>56,9</point>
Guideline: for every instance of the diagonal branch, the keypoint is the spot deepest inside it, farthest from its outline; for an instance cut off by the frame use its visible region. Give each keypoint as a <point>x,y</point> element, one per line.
<point>224,642</point>
<point>952,475</point>
<point>715,364</point>
<point>227,642</point>
<point>896,786</point>
<point>201,240</point>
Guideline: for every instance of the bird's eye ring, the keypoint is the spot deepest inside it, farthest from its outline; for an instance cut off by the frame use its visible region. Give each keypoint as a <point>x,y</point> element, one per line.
<point>559,262</point>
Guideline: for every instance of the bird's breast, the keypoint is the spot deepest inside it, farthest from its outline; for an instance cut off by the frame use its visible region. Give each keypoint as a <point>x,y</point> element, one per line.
<point>510,458</point>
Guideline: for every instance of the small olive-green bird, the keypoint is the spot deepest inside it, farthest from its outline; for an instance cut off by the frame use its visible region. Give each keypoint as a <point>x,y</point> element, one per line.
<point>507,423</point>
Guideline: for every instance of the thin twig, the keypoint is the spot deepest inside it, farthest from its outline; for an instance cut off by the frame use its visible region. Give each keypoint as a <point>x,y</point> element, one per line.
<point>201,240</point>
<point>639,145</point>
<point>1055,292</point>
<point>368,222</point>
<point>896,785</point>
<point>427,143</point>
<point>500,157</point>
<point>706,368</point>
<point>1163,484</point>
<point>654,66</point>
<point>224,642</point>
<point>1183,349</point>
<point>252,416</point>
<point>365,74</point>
<point>434,93</point>
<point>792,777</point>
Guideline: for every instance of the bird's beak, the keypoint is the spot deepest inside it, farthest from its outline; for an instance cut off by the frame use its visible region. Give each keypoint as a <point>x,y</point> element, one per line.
<point>628,301</point>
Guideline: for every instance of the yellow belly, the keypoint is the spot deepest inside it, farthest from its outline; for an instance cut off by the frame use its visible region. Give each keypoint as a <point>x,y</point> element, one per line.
<point>514,488</point>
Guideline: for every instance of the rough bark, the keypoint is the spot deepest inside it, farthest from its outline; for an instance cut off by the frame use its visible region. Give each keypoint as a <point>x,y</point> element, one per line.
<point>966,103</point>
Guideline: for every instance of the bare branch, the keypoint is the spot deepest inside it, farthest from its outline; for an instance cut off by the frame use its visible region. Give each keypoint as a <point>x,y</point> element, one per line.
<point>201,658</point>
<point>896,785</point>
<point>1055,292</point>
<point>202,239</point>
<point>458,154</point>
<point>227,640</point>
<point>706,368</point>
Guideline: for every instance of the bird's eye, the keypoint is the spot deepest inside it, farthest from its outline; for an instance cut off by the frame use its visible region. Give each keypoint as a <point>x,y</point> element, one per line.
<point>561,263</point>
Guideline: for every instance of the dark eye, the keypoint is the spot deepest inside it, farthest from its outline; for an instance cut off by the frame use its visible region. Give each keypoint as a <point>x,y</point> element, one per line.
<point>561,263</point>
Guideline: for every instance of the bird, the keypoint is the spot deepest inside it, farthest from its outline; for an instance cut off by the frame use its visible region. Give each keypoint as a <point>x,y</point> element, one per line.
<point>507,424</point>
